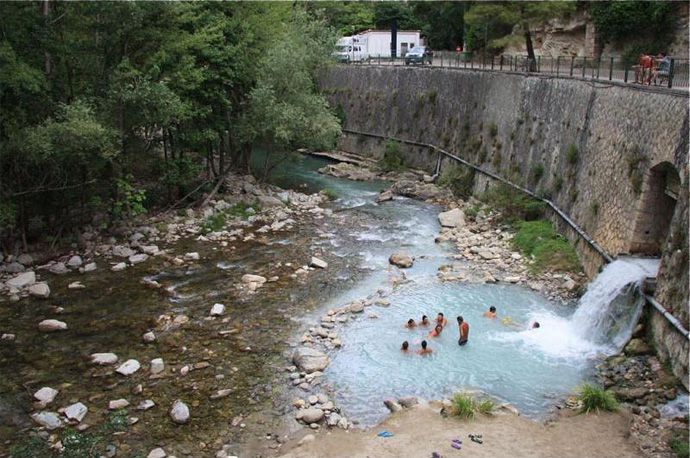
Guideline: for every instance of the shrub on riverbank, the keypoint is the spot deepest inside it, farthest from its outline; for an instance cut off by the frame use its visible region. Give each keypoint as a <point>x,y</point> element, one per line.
<point>594,399</point>
<point>679,443</point>
<point>465,406</point>
<point>392,160</point>
<point>459,182</point>
<point>549,249</point>
<point>512,204</point>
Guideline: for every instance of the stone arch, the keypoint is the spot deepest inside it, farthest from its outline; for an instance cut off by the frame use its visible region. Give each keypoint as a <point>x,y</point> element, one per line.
<point>655,209</point>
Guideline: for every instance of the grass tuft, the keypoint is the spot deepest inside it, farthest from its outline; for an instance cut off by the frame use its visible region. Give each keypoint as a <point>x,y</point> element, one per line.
<point>331,194</point>
<point>465,406</point>
<point>392,160</point>
<point>550,250</point>
<point>594,399</point>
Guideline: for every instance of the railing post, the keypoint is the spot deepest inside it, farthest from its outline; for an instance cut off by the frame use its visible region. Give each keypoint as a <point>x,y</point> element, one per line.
<point>538,64</point>
<point>572,64</point>
<point>670,73</point>
<point>625,75</point>
<point>598,66</point>
<point>584,66</point>
<point>500,63</point>
<point>492,62</point>
<point>558,64</point>
<point>611,69</point>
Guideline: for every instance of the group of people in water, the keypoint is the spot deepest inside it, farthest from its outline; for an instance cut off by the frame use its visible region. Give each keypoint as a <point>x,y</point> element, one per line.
<point>442,322</point>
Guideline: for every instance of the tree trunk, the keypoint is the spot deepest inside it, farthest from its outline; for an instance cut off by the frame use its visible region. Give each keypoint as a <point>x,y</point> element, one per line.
<point>531,58</point>
<point>45,9</point>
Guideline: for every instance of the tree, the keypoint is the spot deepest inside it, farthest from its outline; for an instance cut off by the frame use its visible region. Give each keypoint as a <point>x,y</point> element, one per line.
<point>524,15</point>
<point>442,22</point>
<point>347,18</point>
<point>386,12</point>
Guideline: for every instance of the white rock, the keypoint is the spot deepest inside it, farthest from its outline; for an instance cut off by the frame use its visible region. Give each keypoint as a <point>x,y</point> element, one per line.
<point>157,366</point>
<point>316,262</point>
<point>76,285</point>
<point>149,337</point>
<point>452,218</point>
<point>192,256</point>
<point>249,278</point>
<point>52,325</point>
<point>39,290</point>
<point>157,453</point>
<point>118,404</point>
<point>46,394</point>
<point>90,267</point>
<point>76,411</point>
<point>119,267</point>
<point>312,415</point>
<point>49,420</point>
<point>104,359</point>
<point>128,367</point>
<point>146,405</point>
<point>25,259</point>
<point>22,280</point>
<point>512,279</point>
<point>8,337</point>
<point>123,251</point>
<point>179,412</point>
<point>401,260</point>
<point>75,262</point>
<point>138,258</point>
<point>217,310</point>
<point>150,249</point>
<point>310,360</point>
<point>59,268</point>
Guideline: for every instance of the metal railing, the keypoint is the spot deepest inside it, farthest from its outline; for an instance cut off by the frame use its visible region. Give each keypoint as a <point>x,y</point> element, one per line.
<point>613,69</point>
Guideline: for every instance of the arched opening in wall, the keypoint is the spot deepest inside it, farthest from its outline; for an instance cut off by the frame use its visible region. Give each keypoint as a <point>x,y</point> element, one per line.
<point>655,211</point>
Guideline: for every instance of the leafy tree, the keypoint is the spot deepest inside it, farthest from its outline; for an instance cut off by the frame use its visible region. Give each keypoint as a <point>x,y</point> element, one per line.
<point>385,12</point>
<point>347,18</point>
<point>442,22</point>
<point>523,15</point>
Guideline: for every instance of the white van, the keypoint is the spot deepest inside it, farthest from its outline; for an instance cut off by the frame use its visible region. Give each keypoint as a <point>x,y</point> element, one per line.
<point>351,49</point>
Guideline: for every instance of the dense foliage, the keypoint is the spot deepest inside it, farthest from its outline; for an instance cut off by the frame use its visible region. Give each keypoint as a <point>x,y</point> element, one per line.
<point>112,107</point>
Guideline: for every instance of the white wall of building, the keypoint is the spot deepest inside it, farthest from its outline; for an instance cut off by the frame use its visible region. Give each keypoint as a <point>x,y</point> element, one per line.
<point>379,42</point>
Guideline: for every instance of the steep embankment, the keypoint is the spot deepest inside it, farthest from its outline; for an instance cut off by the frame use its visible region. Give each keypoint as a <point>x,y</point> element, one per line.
<point>610,156</point>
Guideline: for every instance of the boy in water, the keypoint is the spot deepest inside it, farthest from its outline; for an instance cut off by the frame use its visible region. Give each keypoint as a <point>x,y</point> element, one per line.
<point>405,347</point>
<point>411,324</point>
<point>424,350</point>
<point>464,329</point>
<point>491,313</point>
<point>440,319</point>
<point>425,321</point>
<point>436,331</point>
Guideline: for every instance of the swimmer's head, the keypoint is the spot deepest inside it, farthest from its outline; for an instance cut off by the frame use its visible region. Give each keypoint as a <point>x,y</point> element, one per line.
<point>535,325</point>
<point>405,345</point>
<point>424,344</point>
<point>492,309</point>
<point>460,320</point>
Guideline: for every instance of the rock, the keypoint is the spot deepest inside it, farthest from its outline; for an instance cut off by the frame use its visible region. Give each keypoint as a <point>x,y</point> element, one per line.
<point>39,290</point>
<point>76,285</point>
<point>46,395</point>
<point>128,367</point>
<point>306,439</point>
<point>75,262</point>
<point>392,405</point>
<point>52,325</point>
<point>384,196</point>
<point>49,420</point>
<point>138,258</point>
<point>119,267</point>
<point>157,453</point>
<point>269,202</point>
<point>401,260</point>
<point>90,267</point>
<point>637,347</point>
<point>221,393</point>
<point>569,284</point>
<point>179,412</point>
<point>316,262</point>
<point>59,268</point>
<point>14,268</point>
<point>629,394</point>
<point>8,337</point>
<point>512,279</point>
<point>194,256</point>
<point>150,250</point>
<point>487,254</point>
<point>249,278</point>
<point>149,337</point>
<point>22,280</point>
<point>310,360</point>
<point>146,405</point>
<point>408,402</point>
<point>123,251</point>
<point>157,366</point>
<point>312,399</point>
<point>118,404</point>
<point>217,310</point>
<point>76,412</point>
<point>452,218</point>
<point>312,415</point>
<point>333,419</point>
<point>25,259</point>
<point>104,359</point>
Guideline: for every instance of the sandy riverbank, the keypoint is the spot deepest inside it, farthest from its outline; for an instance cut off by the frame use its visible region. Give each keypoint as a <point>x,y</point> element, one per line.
<point>420,431</point>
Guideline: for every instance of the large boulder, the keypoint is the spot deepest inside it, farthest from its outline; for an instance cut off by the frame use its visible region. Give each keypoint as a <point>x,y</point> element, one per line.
<point>41,290</point>
<point>637,347</point>
<point>452,218</point>
<point>52,325</point>
<point>310,360</point>
<point>22,280</point>
<point>401,260</point>
<point>312,415</point>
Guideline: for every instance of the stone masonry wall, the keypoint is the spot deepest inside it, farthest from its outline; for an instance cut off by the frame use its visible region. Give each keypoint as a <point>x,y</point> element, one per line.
<point>587,146</point>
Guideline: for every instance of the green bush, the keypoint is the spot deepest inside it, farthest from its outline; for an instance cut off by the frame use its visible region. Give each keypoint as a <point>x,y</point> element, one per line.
<point>213,223</point>
<point>459,182</point>
<point>472,212</point>
<point>679,443</point>
<point>538,172</point>
<point>550,250</point>
<point>242,209</point>
<point>572,154</point>
<point>594,399</point>
<point>493,130</point>
<point>331,194</point>
<point>465,406</point>
<point>392,160</point>
<point>513,205</point>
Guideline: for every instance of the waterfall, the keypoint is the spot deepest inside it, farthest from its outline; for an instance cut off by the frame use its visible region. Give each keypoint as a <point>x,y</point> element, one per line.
<point>609,309</point>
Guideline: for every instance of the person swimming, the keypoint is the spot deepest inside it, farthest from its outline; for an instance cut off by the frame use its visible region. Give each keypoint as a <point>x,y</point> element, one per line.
<point>436,331</point>
<point>491,313</point>
<point>464,329</point>
<point>424,350</point>
<point>536,325</point>
<point>425,321</point>
<point>440,319</point>
<point>405,348</point>
<point>411,324</point>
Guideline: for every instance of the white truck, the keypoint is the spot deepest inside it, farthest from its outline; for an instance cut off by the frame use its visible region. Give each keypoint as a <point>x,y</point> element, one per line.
<point>372,44</point>
<point>351,49</point>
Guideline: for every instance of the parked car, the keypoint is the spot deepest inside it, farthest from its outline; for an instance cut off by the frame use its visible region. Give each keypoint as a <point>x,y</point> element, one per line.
<point>419,55</point>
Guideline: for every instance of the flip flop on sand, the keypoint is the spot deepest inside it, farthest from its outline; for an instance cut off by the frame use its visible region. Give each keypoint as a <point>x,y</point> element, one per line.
<point>385,434</point>
<point>435,455</point>
<point>456,445</point>
<point>476,438</point>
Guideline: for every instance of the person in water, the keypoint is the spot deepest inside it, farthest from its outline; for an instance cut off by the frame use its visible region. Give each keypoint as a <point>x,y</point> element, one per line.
<point>425,321</point>
<point>436,331</point>
<point>536,325</point>
<point>405,348</point>
<point>424,350</point>
<point>411,324</point>
<point>464,329</point>
<point>491,313</point>
<point>440,319</point>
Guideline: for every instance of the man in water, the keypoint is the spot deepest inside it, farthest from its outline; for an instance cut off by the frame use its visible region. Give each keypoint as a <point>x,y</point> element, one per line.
<point>405,347</point>
<point>464,329</point>
<point>425,321</point>
<point>535,325</point>
<point>436,331</point>
<point>491,313</point>
<point>440,319</point>
<point>411,324</point>
<point>424,350</point>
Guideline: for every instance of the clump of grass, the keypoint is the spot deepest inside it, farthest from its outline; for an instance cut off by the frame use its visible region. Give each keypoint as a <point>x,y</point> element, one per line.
<point>679,443</point>
<point>243,209</point>
<point>594,399</point>
<point>572,154</point>
<point>550,250</point>
<point>493,130</point>
<point>472,212</point>
<point>331,194</point>
<point>458,181</point>
<point>465,406</point>
<point>513,205</point>
<point>392,160</point>
<point>538,172</point>
<point>213,223</point>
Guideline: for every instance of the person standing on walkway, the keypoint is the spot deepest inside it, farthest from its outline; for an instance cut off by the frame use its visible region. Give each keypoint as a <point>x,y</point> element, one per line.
<point>464,329</point>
